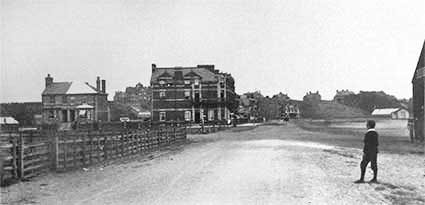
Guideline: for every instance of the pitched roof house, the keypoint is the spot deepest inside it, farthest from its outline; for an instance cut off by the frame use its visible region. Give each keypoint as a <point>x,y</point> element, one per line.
<point>66,102</point>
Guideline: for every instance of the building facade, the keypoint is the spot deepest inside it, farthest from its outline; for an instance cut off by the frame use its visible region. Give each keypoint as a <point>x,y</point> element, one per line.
<point>418,96</point>
<point>195,94</point>
<point>67,102</point>
<point>312,97</point>
<point>138,95</point>
<point>341,94</point>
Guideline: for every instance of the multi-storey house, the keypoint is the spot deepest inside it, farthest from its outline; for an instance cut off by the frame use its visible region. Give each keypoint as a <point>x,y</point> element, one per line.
<point>196,94</point>
<point>66,102</point>
<point>138,96</point>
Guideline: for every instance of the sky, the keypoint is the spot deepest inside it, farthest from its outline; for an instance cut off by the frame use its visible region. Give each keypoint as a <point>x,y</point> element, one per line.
<point>288,46</point>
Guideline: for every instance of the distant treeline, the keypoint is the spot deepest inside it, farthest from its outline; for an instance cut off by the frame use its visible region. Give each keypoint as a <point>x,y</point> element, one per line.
<point>370,100</point>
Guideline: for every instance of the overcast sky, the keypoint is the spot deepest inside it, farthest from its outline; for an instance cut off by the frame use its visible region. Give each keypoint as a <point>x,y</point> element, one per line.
<point>272,46</point>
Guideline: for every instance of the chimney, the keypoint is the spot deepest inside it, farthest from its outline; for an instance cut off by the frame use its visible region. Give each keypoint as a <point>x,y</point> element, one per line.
<point>49,80</point>
<point>98,84</point>
<point>153,67</point>
<point>103,86</point>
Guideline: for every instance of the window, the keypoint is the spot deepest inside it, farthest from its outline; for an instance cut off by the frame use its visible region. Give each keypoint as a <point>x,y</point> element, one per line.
<point>187,94</point>
<point>210,115</point>
<point>64,99</point>
<point>162,116</point>
<point>82,114</point>
<point>161,82</point>
<point>187,82</point>
<point>52,99</point>
<point>222,94</point>
<point>221,85</point>
<point>196,82</point>
<point>51,114</point>
<point>187,116</point>
<point>162,94</point>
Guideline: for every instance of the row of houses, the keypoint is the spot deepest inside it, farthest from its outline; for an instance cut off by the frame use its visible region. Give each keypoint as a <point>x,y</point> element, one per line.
<point>196,94</point>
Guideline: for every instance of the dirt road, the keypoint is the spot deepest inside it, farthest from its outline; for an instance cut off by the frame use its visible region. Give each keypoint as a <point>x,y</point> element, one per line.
<point>265,165</point>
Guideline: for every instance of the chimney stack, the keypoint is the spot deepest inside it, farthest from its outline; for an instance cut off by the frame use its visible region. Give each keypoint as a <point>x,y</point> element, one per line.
<point>98,84</point>
<point>153,67</point>
<point>49,80</point>
<point>103,86</point>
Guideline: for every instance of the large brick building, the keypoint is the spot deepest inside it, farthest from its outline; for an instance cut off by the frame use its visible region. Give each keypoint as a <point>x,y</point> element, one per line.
<point>67,102</point>
<point>138,95</point>
<point>195,94</point>
<point>418,96</point>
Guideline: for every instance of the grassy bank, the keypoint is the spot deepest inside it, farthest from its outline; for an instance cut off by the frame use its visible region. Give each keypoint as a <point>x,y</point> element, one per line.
<point>392,139</point>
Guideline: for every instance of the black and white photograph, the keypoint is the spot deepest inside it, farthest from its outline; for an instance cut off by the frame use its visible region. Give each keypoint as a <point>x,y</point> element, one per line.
<point>215,102</point>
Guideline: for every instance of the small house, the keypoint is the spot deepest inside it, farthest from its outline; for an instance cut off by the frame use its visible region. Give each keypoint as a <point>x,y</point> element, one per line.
<point>392,113</point>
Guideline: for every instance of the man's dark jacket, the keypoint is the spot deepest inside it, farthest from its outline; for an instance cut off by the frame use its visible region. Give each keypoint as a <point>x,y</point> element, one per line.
<point>371,142</point>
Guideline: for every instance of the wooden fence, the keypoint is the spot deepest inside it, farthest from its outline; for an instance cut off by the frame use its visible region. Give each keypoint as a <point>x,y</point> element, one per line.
<point>27,154</point>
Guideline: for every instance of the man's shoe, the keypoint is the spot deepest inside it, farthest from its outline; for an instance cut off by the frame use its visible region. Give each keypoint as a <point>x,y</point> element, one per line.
<point>373,181</point>
<point>360,181</point>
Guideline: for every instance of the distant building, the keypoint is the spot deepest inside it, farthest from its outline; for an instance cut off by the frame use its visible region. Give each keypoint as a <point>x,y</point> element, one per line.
<point>292,110</point>
<point>312,97</point>
<point>195,94</point>
<point>341,94</point>
<point>138,95</point>
<point>392,113</point>
<point>418,96</point>
<point>248,106</point>
<point>8,123</point>
<point>66,102</point>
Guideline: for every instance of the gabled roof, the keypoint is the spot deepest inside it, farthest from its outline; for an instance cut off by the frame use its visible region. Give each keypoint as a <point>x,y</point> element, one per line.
<point>57,88</point>
<point>68,88</point>
<point>192,74</point>
<point>80,88</point>
<point>385,111</point>
<point>421,62</point>
<point>204,73</point>
<point>165,75</point>
<point>8,120</point>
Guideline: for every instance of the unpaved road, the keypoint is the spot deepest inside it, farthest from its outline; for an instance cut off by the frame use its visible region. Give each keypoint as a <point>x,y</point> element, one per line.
<point>265,165</point>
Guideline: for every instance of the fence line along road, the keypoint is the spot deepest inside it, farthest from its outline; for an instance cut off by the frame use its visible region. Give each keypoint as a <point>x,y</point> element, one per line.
<point>28,153</point>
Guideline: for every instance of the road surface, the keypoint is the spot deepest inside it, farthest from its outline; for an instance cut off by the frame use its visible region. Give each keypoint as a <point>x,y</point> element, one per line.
<point>265,165</point>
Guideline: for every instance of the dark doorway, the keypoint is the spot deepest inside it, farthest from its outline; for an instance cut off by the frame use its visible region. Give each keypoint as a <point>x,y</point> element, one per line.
<point>196,96</point>
<point>64,116</point>
<point>72,115</point>
<point>197,116</point>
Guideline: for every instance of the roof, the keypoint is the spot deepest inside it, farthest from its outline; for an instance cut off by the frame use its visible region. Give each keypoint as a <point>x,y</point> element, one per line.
<point>68,88</point>
<point>421,63</point>
<point>386,111</point>
<point>204,73</point>
<point>57,88</point>
<point>8,120</point>
<point>85,106</point>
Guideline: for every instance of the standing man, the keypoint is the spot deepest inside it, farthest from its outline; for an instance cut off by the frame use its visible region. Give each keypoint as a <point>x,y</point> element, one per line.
<point>370,152</point>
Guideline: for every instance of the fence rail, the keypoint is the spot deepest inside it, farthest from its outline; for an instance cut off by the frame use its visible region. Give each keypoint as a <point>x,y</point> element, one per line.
<point>27,154</point>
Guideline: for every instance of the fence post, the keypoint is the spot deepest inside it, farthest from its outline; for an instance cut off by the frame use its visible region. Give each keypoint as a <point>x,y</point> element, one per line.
<point>55,151</point>
<point>21,156</point>
<point>83,149</point>
<point>105,146</point>
<point>14,160</point>
<point>90,152</point>
<point>122,144</point>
